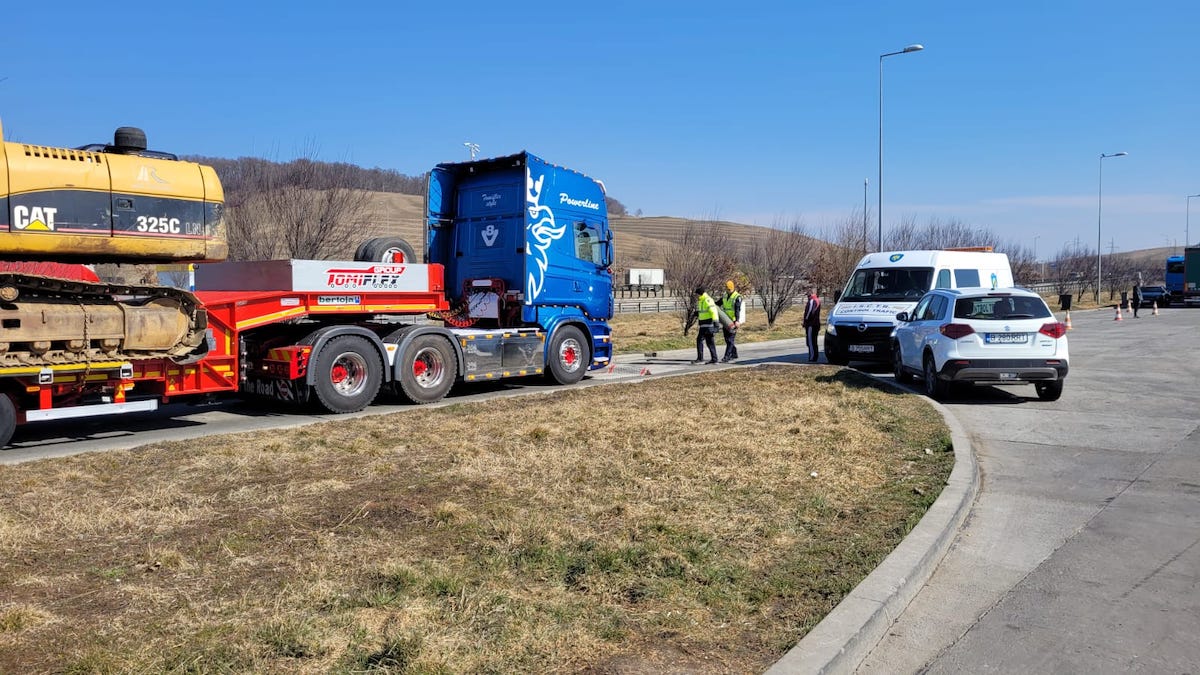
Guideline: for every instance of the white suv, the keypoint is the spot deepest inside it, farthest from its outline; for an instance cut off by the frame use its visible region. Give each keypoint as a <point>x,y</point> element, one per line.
<point>980,335</point>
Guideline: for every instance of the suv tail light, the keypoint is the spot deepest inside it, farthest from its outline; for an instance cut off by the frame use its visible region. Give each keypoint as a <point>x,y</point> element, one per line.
<point>955,331</point>
<point>1054,330</point>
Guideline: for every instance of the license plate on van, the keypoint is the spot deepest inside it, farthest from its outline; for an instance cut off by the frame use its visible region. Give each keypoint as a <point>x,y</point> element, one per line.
<point>861,349</point>
<point>1006,338</point>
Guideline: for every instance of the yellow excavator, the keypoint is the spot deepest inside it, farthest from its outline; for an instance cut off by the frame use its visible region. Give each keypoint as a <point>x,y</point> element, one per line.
<point>66,208</point>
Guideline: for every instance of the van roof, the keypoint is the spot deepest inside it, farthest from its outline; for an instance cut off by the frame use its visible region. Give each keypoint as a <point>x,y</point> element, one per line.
<point>931,258</point>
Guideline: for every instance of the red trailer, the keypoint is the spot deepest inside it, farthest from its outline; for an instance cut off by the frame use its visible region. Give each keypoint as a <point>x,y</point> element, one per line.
<point>330,333</point>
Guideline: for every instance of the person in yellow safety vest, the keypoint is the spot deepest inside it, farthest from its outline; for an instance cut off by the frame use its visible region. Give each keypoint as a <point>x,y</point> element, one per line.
<point>733,307</point>
<point>706,311</point>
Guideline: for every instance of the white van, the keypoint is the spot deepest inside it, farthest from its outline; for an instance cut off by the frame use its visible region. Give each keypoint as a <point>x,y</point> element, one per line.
<point>889,282</point>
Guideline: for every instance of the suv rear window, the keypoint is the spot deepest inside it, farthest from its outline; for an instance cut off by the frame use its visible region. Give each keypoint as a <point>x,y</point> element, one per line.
<point>1001,307</point>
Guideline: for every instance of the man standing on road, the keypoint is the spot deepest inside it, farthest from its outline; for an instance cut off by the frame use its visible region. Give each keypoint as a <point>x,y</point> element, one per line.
<point>812,323</point>
<point>706,311</point>
<point>731,304</point>
<point>1137,299</point>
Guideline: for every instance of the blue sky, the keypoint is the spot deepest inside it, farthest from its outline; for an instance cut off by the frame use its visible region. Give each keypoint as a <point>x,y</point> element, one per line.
<point>753,112</point>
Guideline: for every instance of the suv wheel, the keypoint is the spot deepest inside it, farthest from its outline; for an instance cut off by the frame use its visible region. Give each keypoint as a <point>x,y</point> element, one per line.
<point>1049,391</point>
<point>935,387</point>
<point>902,375</point>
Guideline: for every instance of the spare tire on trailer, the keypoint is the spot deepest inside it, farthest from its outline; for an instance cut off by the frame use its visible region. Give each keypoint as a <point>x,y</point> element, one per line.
<point>386,249</point>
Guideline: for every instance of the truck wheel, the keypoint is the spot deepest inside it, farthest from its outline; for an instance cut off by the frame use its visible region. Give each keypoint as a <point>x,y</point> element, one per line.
<point>348,374</point>
<point>428,369</point>
<point>569,355</point>
<point>8,420</point>
<point>388,249</point>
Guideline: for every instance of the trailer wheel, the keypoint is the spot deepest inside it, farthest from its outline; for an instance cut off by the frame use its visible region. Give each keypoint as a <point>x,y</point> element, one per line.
<point>348,374</point>
<point>569,355</point>
<point>8,420</point>
<point>428,369</point>
<point>388,249</point>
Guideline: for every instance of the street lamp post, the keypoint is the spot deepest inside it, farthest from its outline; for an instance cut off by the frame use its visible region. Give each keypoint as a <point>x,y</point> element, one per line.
<point>866,182</point>
<point>1187,223</point>
<point>1035,258</point>
<point>1099,210</point>
<point>879,187</point>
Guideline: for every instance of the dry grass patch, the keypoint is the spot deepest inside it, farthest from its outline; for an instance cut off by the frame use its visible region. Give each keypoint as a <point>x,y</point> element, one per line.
<point>661,331</point>
<point>608,529</point>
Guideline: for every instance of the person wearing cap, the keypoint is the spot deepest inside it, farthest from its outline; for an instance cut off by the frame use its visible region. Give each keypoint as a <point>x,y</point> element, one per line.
<point>706,312</point>
<point>732,305</point>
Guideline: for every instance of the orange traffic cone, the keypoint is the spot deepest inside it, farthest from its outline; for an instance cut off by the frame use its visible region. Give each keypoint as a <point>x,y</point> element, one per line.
<point>1155,312</point>
<point>1118,314</point>
<point>1069,326</point>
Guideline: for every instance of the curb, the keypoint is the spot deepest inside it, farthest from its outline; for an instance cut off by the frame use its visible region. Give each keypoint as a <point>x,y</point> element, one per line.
<point>840,642</point>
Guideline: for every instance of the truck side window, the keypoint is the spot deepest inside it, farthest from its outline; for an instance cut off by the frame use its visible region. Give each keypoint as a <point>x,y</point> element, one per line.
<point>943,279</point>
<point>587,243</point>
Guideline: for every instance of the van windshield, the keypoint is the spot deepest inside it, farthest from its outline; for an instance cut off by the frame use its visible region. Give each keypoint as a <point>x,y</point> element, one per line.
<point>888,284</point>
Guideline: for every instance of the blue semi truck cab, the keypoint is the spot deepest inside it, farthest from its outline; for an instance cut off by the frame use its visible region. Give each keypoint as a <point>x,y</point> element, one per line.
<point>527,250</point>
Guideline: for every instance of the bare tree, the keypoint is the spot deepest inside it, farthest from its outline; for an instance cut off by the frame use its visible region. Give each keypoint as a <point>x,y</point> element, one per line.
<point>699,258</point>
<point>937,234</point>
<point>1021,260</point>
<point>1074,269</point>
<point>779,265</point>
<point>303,209</point>
<point>845,243</point>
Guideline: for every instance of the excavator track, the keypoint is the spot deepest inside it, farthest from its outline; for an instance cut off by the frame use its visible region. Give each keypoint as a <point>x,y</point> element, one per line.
<point>50,321</point>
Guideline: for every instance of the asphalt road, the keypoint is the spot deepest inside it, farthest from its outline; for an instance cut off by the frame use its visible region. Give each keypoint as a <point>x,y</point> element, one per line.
<point>1082,551</point>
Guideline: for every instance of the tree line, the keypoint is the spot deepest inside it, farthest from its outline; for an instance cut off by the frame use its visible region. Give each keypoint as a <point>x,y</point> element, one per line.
<point>791,257</point>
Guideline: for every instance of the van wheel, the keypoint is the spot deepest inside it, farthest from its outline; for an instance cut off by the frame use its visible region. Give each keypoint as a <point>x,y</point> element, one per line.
<point>348,374</point>
<point>569,355</point>
<point>833,352</point>
<point>428,369</point>
<point>1049,391</point>
<point>935,388</point>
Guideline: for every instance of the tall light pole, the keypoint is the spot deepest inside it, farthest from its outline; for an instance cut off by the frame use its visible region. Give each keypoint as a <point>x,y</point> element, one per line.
<point>1035,258</point>
<point>879,187</point>
<point>1099,210</point>
<point>866,182</point>
<point>1187,223</point>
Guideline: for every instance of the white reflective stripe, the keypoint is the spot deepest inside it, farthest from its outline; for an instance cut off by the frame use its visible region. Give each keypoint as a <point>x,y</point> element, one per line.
<point>90,410</point>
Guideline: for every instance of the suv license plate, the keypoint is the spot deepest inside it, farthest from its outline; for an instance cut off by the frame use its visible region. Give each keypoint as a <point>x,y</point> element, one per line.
<point>861,349</point>
<point>1006,338</point>
<point>1008,376</point>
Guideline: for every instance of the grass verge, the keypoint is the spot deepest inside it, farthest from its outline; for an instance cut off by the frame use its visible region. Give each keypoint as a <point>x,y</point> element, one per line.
<point>703,523</point>
<point>654,332</point>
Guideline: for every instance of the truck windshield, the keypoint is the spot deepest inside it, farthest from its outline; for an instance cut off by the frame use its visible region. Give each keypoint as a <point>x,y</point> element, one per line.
<point>888,284</point>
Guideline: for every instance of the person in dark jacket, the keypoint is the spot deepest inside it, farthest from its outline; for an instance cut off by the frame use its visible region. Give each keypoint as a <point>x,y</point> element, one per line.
<point>1137,299</point>
<point>812,323</point>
